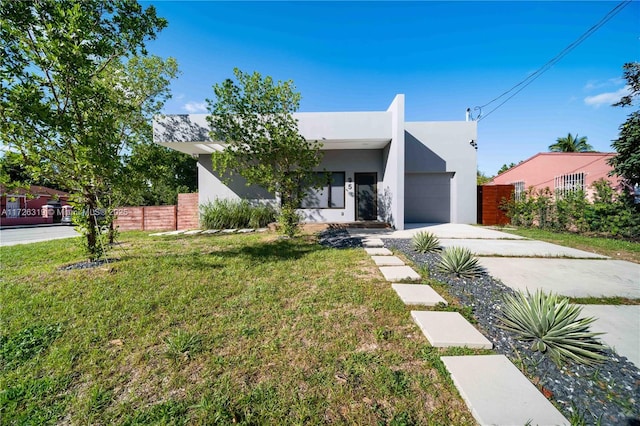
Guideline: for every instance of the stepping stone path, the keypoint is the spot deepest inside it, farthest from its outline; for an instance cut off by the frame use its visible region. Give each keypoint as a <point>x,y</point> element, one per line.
<point>495,391</point>
<point>211,231</point>
<point>377,251</point>
<point>396,274</point>
<point>418,294</point>
<point>449,329</point>
<point>372,242</point>
<point>387,261</point>
<point>174,232</point>
<point>194,232</point>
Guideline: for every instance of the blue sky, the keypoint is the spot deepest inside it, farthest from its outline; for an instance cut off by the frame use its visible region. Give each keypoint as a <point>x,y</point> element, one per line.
<point>444,56</point>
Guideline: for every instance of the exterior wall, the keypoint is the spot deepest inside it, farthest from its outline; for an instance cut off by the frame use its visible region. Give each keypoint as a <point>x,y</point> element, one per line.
<point>541,170</point>
<point>344,125</point>
<point>391,192</point>
<point>211,185</point>
<point>446,148</point>
<point>31,211</point>
<point>350,162</point>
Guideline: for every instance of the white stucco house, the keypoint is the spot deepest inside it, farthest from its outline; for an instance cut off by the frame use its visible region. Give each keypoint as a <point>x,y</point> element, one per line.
<point>382,168</point>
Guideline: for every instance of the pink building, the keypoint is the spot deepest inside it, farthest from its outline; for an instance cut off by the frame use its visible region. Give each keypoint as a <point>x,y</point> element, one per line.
<point>32,206</point>
<point>560,172</point>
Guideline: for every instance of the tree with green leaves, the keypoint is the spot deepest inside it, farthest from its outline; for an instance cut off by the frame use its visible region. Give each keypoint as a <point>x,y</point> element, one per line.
<point>482,178</point>
<point>74,93</point>
<point>626,163</point>
<point>570,143</point>
<point>252,116</point>
<point>156,175</point>
<point>506,167</point>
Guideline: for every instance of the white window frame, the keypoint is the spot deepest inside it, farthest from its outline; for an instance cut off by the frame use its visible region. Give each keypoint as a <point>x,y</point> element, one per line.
<point>569,183</point>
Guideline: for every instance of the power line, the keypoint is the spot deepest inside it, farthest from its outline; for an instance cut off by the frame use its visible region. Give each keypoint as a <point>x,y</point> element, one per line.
<point>532,77</point>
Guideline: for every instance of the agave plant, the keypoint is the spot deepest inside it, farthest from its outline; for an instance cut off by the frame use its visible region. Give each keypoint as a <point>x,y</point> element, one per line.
<point>552,325</point>
<point>460,262</point>
<point>425,242</point>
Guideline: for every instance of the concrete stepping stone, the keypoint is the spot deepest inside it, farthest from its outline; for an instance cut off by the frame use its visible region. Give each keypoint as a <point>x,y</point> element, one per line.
<point>181,231</point>
<point>497,393</point>
<point>228,231</point>
<point>158,234</point>
<point>418,294</point>
<point>262,229</point>
<point>447,329</point>
<point>387,260</point>
<point>372,242</point>
<point>378,251</point>
<point>211,231</point>
<point>246,231</point>
<point>396,274</point>
<point>193,232</point>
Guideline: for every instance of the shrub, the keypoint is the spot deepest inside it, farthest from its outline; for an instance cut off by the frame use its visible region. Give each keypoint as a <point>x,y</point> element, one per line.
<point>609,213</point>
<point>222,214</point>
<point>461,262</point>
<point>425,242</point>
<point>552,325</point>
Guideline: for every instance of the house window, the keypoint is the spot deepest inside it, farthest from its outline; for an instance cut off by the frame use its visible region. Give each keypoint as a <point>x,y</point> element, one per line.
<point>569,183</point>
<point>518,191</point>
<point>330,195</point>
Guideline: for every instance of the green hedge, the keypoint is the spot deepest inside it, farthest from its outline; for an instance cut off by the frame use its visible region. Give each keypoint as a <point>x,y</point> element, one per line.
<point>608,214</point>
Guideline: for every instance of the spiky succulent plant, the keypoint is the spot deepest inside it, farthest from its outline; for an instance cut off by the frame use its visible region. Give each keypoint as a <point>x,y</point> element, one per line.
<point>425,242</point>
<point>552,325</point>
<point>460,262</point>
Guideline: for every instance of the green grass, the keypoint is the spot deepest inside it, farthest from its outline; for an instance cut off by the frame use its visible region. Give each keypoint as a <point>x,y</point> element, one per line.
<point>213,330</point>
<point>616,249</point>
<point>604,301</point>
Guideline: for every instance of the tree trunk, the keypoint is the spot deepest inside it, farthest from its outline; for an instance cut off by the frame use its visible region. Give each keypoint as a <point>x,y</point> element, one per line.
<point>91,227</point>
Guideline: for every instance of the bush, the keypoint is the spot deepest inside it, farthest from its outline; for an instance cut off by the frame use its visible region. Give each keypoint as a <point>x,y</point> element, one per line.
<point>225,214</point>
<point>551,324</point>
<point>609,214</point>
<point>425,242</point>
<point>460,262</point>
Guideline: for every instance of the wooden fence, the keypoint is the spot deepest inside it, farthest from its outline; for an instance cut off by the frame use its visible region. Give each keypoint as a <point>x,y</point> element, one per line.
<point>184,215</point>
<point>490,197</point>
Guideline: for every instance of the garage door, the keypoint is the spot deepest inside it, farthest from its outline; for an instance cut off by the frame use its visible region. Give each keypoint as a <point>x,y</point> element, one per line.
<point>427,197</point>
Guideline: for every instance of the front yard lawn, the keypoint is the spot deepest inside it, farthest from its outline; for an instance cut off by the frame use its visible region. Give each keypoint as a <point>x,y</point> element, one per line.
<point>247,329</point>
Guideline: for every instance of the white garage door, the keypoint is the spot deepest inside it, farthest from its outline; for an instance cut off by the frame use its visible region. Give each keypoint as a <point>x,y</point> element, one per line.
<point>427,197</point>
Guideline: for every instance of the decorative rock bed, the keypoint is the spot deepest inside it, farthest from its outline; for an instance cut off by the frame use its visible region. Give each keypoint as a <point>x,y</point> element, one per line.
<point>607,393</point>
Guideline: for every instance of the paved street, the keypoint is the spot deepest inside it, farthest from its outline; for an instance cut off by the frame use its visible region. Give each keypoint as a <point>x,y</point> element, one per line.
<point>13,236</point>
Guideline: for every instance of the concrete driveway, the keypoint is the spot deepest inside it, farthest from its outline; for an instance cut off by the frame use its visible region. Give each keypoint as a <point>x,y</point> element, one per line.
<point>13,236</point>
<point>522,264</point>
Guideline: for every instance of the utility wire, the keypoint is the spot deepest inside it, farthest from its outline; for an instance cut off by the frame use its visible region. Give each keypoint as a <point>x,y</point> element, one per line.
<point>532,77</point>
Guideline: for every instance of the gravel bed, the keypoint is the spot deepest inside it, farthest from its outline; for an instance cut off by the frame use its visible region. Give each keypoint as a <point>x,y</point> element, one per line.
<point>606,394</point>
<point>87,264</point>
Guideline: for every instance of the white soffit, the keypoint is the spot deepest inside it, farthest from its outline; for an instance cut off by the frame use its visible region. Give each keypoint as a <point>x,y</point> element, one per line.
<point>208,148</point>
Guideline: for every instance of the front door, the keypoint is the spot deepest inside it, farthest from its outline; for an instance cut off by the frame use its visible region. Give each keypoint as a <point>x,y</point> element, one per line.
<point>366,196</point>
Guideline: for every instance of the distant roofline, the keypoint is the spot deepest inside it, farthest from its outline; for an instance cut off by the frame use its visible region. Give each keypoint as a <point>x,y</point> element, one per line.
<point>602,154</point>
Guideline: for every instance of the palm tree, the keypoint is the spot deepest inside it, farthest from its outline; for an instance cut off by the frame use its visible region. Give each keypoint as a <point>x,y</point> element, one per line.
<point>571,144</point>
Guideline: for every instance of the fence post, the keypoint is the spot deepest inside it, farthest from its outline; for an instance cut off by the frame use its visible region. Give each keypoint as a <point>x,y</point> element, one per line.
<point>143,218</point>
<point>175,216</point>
